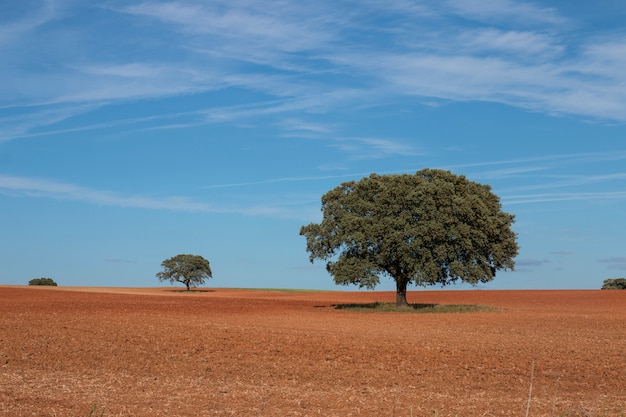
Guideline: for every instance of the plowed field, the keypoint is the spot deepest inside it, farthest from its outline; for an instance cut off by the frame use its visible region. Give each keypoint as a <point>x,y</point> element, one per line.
<point>159,352</point>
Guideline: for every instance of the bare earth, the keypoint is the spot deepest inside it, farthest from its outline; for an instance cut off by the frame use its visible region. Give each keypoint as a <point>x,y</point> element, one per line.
<point>160,352</point>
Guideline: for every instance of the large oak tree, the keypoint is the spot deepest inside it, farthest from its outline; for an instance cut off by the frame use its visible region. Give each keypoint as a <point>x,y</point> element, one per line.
<point>430,228</point>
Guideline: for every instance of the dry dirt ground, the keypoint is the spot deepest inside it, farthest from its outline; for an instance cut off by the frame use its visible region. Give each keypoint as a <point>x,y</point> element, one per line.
<point>219,352</point>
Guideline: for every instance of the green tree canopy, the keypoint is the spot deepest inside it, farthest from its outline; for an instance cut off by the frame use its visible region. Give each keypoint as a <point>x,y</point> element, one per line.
<point>614,284</point>
<point>190,270</point>
<point>42,281</point>
<point>433,227</point>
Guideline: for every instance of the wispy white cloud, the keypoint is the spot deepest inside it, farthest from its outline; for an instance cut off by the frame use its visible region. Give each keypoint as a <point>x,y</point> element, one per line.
<point>557,197</point>
<point>279,36</point>
<point>44,188</point>
<point>604,55</point>
<point>37,187</point>
<point>31,125</point>
<point>317,58</point>
<point>296,125</point>
<point>557,186</point>
<point>509,172</point>
<point>25,19</point>
<point>544,175</point>
<point>373,148</point>
<point>128,70</point>
<point>530,45</point>
<point>499,11</point>
<point>563,158</point>
<point>28,123</point>
<point>547,178</point>
<point>243,22</point>
<point>546,86</point>
<point>283,180</point>
<point>102,83</point>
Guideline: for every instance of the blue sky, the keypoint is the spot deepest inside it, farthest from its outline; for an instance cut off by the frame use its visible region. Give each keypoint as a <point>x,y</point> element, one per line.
<point>132,131</point>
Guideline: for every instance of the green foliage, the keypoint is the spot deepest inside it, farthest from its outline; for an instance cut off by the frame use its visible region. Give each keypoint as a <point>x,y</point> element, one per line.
<point>42,281</point>
<point>190,270</point>
<point>614,284</point>
<point>430,228</point>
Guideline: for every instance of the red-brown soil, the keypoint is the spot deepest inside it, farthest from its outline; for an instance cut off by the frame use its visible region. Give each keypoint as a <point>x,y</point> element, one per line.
<point>158,352</point>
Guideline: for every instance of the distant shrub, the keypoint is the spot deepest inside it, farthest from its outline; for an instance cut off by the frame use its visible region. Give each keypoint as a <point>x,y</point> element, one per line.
<point>614,284</point>
<point>42,281</point>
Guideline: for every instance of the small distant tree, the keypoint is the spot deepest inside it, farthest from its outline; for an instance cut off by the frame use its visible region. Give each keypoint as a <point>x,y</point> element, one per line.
<point>190,270</point>
<point>614,284</point>
<point>42,281</point>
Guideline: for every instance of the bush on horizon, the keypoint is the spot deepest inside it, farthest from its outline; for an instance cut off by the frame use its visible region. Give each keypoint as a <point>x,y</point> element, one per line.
<point>42,281</point>
<point>614,284</point>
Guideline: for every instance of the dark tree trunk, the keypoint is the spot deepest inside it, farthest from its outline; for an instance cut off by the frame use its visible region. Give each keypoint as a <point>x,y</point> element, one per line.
<point>401,292</point>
